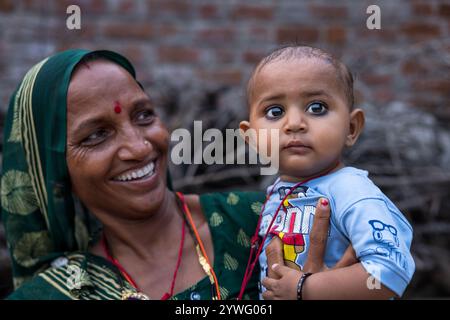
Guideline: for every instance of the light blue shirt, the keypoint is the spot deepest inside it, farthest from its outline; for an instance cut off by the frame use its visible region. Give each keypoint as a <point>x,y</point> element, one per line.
<point>360,214</point>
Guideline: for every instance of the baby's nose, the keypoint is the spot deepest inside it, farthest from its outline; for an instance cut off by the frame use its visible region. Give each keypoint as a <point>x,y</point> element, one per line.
<point>295,121</point>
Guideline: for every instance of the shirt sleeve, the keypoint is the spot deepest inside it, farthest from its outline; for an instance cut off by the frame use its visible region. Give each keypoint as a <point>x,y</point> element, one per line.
<point>382,239</point>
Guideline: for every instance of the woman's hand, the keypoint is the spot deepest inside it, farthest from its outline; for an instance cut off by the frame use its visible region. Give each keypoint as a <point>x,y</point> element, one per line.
<point>282,281</point>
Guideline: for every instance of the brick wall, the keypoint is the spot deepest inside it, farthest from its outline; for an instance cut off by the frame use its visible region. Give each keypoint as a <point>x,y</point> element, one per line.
<point>215,43</point>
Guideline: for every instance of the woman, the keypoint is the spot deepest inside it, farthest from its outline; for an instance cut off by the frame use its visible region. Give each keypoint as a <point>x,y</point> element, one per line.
<point>82,140</point>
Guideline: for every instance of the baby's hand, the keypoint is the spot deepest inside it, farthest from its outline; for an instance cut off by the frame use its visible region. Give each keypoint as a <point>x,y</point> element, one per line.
<point>284,287</point>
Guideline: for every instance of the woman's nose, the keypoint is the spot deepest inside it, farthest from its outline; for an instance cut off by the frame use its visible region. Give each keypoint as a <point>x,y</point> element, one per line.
<point>134,146</point>
<point>295,120</point>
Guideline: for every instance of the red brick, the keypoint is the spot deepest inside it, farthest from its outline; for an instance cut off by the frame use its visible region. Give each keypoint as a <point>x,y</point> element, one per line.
<point>6,5</point>
<point>73,43</point>
<point>376,79</point>
<point>86,6</point>
<point>170,7</point>
<point>433,85</point>
<point>87,32</point>
<point>224,55</point>
<point>260,33</point>
<point>208,11</point>
<point>127,6</point>
<point>411,67</point>
<point>384,95</point>
<point>422,9</point>
<point>36,6</point>
<point>226,77</point>
<point>329,11</point>
<point>444,9</point>
<point>134,54</point>
<point>216,35</point>
<point>289,34</point>
<point>336,35</point>
<point>178,54</point>
<point>140,30</point>
<point>383,35</point>
<point>252,12</point>
<point>167,30</point>
<point>420,31</point>
<point>252,57</point>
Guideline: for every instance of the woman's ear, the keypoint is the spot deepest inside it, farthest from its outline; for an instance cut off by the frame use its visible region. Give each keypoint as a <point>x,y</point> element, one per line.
<point>357,120</point>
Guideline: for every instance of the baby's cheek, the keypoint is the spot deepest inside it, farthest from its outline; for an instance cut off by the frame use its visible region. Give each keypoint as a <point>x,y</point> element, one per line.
<point>331,147</point>
<point>268,148</point>
<point>271,139</point>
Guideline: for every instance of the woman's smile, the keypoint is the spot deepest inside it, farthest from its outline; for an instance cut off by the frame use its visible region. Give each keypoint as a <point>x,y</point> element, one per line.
<point>137,174</point>
<point>141,176</point>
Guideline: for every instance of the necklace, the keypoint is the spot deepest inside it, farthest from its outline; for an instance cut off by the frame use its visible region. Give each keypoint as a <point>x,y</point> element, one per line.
<point>200,248</point>
<point>129,295</point>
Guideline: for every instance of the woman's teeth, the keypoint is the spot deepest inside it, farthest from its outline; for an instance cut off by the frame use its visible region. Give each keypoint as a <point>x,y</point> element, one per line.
<point>146,171</point>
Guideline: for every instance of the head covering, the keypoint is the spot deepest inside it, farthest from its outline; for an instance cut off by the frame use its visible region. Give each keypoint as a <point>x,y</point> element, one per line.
<point>41,216</point>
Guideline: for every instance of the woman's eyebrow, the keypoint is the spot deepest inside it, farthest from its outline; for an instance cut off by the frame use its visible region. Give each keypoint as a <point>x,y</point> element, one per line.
<point>84,125</point>
<point>141,102</point>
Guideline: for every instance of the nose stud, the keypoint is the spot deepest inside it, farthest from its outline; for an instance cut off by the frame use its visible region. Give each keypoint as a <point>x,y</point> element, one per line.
<point>146,142</point>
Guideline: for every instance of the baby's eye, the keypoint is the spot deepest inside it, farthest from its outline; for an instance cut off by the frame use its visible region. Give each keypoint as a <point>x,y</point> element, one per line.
<point>317,108</point>
<point>274,112</point>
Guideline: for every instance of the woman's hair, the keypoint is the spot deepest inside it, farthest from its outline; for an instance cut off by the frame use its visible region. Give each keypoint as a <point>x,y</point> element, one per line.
<point>90,57</point>
<point>305,52</point>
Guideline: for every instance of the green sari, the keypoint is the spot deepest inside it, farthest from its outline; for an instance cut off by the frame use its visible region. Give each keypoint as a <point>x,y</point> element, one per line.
<point>48,231</point>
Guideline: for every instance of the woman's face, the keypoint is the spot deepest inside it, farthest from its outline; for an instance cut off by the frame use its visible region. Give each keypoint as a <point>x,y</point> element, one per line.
<point>116,145</point>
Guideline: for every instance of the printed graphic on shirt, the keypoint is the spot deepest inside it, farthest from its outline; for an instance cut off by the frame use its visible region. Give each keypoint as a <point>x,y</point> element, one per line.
<point>292,223</point>
<point>387,243</point>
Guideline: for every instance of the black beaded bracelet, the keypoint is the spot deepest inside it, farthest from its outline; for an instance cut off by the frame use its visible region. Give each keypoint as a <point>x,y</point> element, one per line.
<point>300,284</point>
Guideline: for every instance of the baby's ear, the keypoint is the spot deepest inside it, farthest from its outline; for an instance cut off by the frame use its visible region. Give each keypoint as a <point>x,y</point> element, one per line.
<point>244,126</point>
<point>357,120</point>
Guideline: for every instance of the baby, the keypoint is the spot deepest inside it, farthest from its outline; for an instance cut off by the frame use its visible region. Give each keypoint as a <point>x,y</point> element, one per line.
<point>307,95</point>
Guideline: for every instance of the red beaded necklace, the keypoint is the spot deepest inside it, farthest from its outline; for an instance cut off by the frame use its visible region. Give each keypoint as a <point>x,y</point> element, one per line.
<point>127,276</point>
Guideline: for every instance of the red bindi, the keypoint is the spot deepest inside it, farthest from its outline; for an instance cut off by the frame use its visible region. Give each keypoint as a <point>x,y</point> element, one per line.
<point>117,107</point>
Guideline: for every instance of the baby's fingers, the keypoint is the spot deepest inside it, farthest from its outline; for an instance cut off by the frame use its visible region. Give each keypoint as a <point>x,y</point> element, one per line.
<point>268,295</point>
<point>269,283</point>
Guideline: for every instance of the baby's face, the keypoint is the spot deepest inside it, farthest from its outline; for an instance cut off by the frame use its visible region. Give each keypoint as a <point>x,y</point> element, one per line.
<point>306,102</point>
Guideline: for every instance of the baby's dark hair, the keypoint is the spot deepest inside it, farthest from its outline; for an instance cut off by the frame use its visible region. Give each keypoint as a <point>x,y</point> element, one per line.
<point>300,52</point>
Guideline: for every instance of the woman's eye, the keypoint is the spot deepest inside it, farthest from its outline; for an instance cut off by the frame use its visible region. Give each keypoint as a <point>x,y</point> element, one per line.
<point>274,112</point>
<point>317,108</point>
<point>96,137</point>
<point>145,117</point>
